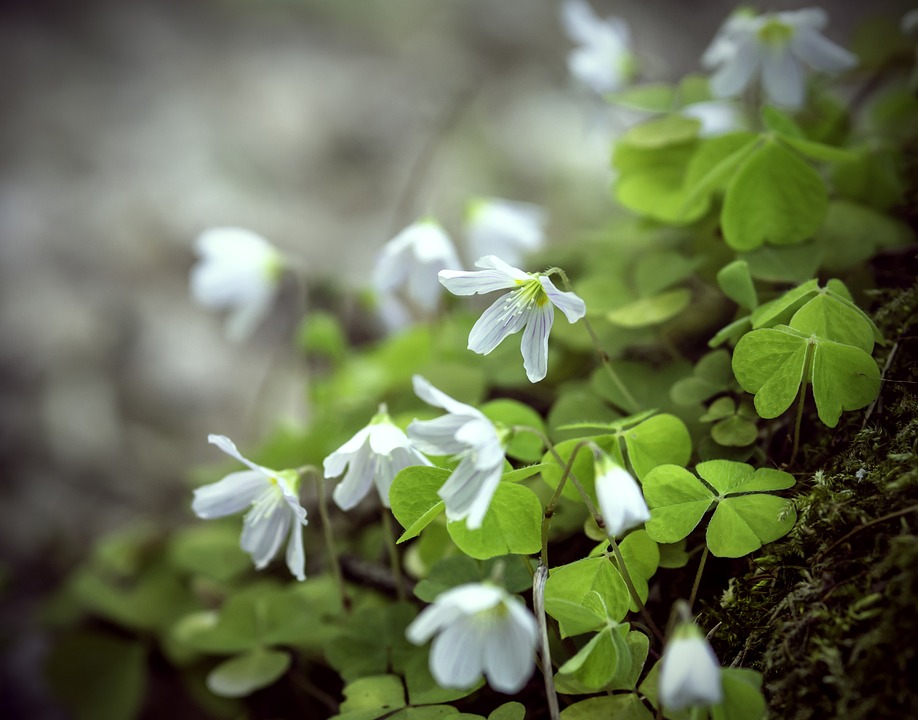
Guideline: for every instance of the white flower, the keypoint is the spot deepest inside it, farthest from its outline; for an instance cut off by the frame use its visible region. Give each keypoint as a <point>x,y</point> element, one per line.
<point>467,434</point>
<point>531,305</point>
<point>238,271</point>
<point>505,228</point>
<point>690,672</point>
<point>275,508</point>
<point>482,629</point>
<point>717,117</point>
<point>375,454</point>
<point>621,501</point>
<point>411,261</point>
<point>909,22</point>
<point>773,45</point>
<point>603,60</point>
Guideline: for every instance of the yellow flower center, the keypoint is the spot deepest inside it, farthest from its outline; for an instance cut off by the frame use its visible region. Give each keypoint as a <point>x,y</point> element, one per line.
<point>776,34</point>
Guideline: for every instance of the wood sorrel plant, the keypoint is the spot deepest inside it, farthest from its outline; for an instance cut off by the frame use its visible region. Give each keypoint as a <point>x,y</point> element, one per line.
<point>546,598</point>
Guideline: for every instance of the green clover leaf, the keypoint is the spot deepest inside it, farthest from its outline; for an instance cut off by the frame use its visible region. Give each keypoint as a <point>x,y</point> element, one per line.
<point>745,515</point>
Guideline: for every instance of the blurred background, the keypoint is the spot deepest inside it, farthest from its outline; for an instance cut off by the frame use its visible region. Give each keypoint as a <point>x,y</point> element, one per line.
<point>129,126</point>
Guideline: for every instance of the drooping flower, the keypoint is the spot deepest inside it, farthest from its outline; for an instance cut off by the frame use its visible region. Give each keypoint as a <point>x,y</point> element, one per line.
<point>504,228</point>
<point>238,271</point>
<point>410,262</point>
<point>531,305</point>
<point>467,434</point>
<point>481,629</point>
<point>775,46</point>
<point>690,672</point>
<point>602,61</point>
<point>275,508</point>
<point>375,454</point>
<point>621,501</point>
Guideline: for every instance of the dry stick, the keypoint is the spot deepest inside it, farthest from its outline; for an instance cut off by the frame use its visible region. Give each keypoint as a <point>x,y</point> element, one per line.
<point>394,564</point>
<point>538,604</point>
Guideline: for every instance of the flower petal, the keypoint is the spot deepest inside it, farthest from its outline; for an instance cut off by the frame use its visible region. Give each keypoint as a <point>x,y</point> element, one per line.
<point>438,436</point>
<point>782,78</point>
<point>431,620</point>
<point>620,499</point>
<point>229,447</point>
<point>534,344</point>
<point>820,53</point>
<point>456,655</point>
<point>296,558</point>
<point>505,316</point>
<point>460,282</point>
<point>429,394</point>
<point>230,495</point>
<point>567,302</point>
<point>385,437</point>
<point>689,674</point>
<point>461,488</point>
<point>358,480</point>
<point>734,75</point>
<point>579,20</point>
<point>335,463</point>
<point>505,228</point>
<point>508,651</point>
<point>482,500</point>
<point>242,321</point>
<point>262,535</point>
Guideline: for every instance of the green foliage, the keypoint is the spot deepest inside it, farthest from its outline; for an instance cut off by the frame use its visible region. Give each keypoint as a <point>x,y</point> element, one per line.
<point>745,515</point>
<point>512,525</point>
<point>721,226</point>
<point>244,674</point>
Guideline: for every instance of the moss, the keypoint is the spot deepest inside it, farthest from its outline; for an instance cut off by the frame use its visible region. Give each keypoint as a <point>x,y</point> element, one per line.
<point>829,615</point>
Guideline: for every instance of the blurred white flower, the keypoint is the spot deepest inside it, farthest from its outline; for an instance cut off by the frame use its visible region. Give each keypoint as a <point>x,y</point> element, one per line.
<point>621,501</point>
<point>375,454</point>
<point>690,672</point>
<point>410,262</point>
<point>511,230</point>
<point>238,271</point>
<point>909,22</point>
<point>467,434</point>
<point>481,629</point>
<point>603,61</point>
<point>531,305</point>
<point>275,508</point>
<point>775,46</point>
<point>717,117</point>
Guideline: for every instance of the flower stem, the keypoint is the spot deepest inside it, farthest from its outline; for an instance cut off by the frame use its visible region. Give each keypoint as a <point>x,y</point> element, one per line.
<point>626,576</point>
<point>550,508</point>
<point>633,405</point>
<point>394,564</point>
<point>538,604</point>
<point>330,542</point>
<point>801,400</point>
<point>565,475</point>
<point>697,583</point>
